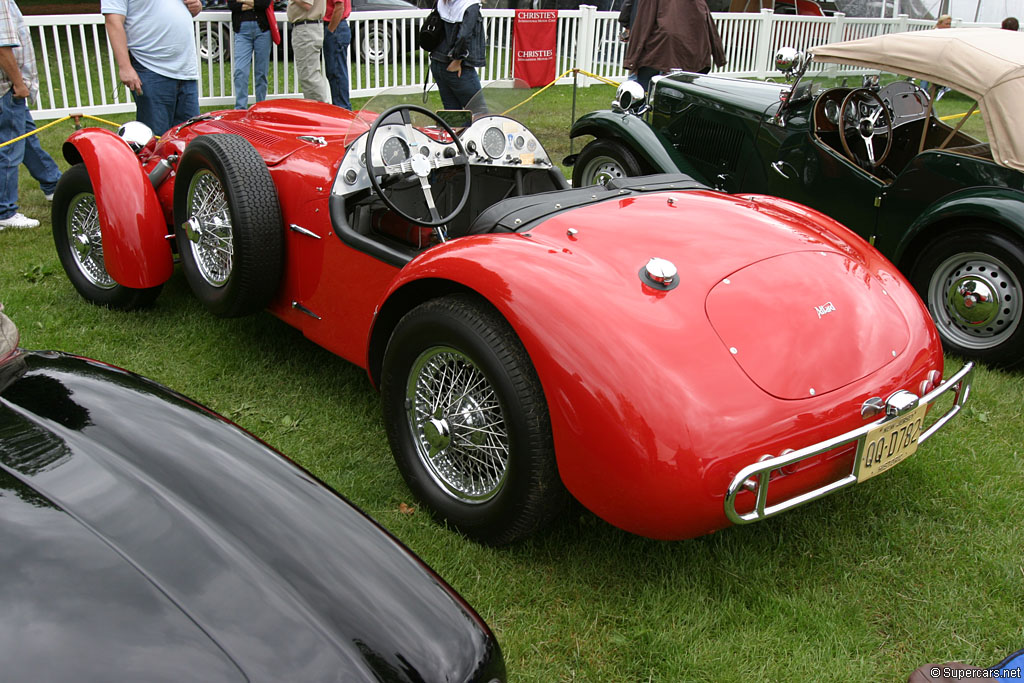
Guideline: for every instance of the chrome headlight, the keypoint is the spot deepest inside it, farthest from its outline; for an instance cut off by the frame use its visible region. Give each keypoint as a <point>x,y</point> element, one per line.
<point>786,58</point>
<point>629,98</point>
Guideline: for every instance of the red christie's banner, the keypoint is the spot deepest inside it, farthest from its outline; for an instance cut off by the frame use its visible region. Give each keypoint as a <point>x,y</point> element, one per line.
<point>533,41</point>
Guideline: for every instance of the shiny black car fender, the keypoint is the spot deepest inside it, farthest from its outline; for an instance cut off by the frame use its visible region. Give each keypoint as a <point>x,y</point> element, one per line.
<point>146,538</point>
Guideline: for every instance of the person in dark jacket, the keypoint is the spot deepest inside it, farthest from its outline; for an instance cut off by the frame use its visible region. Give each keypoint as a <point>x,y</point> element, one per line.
<point>252,48</point>
<point>671,34</point>
<point>455,61</point>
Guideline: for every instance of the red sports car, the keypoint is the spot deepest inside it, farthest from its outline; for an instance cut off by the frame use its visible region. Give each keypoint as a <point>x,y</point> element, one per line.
<point>675,358</point>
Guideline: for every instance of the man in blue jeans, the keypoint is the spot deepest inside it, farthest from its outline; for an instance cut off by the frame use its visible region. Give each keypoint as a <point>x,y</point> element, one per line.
<point>155,49</point>
<point>337,37</point>
<point>19,82</point>
<point>252,48</point>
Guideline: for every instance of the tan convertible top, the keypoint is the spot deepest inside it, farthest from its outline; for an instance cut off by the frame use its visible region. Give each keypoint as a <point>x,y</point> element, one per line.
<point>984,63</point>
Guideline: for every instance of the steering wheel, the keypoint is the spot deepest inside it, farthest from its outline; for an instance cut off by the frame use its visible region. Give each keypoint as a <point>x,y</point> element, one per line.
<point>866,126</point>
<point>417,165</point>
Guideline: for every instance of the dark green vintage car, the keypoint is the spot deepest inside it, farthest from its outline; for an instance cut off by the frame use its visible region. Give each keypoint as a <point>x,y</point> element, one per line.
<point>945,207</point>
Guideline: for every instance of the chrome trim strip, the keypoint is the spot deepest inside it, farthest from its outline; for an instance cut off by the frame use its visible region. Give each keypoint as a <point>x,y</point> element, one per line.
<point>303,231</point>
<point>959,383</point>
<point>302,309</point>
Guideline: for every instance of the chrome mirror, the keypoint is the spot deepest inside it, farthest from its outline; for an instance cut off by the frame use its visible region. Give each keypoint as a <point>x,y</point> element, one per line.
<point>630,98</point>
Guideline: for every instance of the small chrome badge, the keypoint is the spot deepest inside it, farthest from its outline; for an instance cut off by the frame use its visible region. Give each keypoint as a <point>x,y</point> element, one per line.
<point>826,307</point>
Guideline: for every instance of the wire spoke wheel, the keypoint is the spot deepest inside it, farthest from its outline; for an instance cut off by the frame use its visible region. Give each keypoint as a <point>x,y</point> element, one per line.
<point>83,226</point>
<point>467,420</point>
<point>209,228</point>
<point>458,426</point>
<point>228,225</point>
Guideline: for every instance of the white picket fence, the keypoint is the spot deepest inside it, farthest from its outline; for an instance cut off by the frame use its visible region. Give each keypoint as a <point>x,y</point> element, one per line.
<point>78,73</point>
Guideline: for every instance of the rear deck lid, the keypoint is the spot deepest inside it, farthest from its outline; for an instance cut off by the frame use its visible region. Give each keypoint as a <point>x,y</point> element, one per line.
<point>805,323</point>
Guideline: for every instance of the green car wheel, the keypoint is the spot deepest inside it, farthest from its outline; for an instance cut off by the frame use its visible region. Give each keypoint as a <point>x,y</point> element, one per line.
<point>971,281</point>
<point>604,160</point>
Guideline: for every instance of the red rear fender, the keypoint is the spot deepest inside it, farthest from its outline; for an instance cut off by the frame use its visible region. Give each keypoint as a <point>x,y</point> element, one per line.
<point>136,251</point>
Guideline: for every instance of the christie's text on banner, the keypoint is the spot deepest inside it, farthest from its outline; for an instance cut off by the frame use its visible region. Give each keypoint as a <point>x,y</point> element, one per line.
<point>533,43</point>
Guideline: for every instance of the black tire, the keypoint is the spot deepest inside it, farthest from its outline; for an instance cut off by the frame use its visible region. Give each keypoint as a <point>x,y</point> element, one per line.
<point>76,234</point>
<point>228,225</point>
<point>604,160</point>
<point>971,280</point>
<point>494,475</point>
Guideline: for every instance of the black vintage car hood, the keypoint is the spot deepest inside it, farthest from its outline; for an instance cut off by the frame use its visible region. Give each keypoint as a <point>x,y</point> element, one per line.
<point>756,96</point>
<point>144,538</point>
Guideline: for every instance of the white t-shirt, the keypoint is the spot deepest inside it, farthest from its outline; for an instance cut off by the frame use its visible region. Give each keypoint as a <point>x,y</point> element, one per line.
<point>160,35</point>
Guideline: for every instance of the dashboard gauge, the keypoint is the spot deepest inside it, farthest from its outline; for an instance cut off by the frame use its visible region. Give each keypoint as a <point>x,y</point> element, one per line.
<point>493,142</point>
<point>520,142</point>
<point>832,112</point>
<point>531,145</point>
<point>394,151</point>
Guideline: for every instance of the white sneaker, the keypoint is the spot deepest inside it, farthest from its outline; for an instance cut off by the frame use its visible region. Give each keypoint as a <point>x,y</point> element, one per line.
<point>48,197</point>
<point>18,220</point>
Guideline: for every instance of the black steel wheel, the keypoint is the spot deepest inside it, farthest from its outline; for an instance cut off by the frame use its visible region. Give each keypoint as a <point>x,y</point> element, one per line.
<point>76,234</point>
<point>228,225</point>
<point>604,160</point>
<point>467,421</point>
<point>972,281</point>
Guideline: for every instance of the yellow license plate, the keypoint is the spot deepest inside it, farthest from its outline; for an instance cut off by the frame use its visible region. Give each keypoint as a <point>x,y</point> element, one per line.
<point>890,443</point>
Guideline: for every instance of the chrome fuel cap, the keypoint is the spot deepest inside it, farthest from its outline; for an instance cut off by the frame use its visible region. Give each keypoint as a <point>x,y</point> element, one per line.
<point>661,271</point>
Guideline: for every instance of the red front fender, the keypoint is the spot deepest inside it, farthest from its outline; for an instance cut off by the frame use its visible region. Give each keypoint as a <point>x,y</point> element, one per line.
<point>136,252</point>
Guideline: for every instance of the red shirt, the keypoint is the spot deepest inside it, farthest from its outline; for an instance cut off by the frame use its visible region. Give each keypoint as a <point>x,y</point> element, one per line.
<point>346,4</point>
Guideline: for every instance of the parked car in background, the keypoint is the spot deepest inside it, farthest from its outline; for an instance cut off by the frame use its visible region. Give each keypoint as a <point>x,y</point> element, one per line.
<point>372,43</point>
<point>663,352</point>
<point>945,207</point>
<point>146,538</point>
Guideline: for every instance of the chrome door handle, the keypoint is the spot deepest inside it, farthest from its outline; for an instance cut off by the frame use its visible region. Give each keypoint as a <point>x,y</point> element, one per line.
<point>778,166</point>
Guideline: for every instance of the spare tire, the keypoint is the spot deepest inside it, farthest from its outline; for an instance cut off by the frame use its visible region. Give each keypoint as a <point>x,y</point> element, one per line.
<point>227,221</point>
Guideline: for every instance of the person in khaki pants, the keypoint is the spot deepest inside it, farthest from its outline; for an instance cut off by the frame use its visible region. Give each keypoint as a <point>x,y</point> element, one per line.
<point>307,28</point>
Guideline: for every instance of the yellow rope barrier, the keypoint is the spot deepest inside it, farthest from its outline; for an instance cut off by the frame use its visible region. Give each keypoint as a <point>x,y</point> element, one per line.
<point>76,117</point>
<point>950,117</point>
<point>565,73</point>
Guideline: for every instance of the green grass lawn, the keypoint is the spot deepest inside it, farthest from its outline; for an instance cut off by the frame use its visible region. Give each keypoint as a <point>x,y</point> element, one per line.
<point>921,564</point>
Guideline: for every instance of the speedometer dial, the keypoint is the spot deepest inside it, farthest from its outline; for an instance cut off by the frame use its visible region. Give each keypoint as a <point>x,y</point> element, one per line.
<point>832,112</point>
<point>493,142</point>
<point>394,151</point>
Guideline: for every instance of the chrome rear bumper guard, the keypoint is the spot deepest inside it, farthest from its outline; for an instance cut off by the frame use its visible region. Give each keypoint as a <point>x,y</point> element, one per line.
<point>759,473</point>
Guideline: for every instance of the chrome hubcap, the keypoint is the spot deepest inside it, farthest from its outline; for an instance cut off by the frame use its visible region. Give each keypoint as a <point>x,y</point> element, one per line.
<point>457,425</point>
<point>86,242</point>
<point>375,46</point>
<point>976,300</point>
<point>973,301</point>
<point>602,169</point>
<point>209,229</point>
